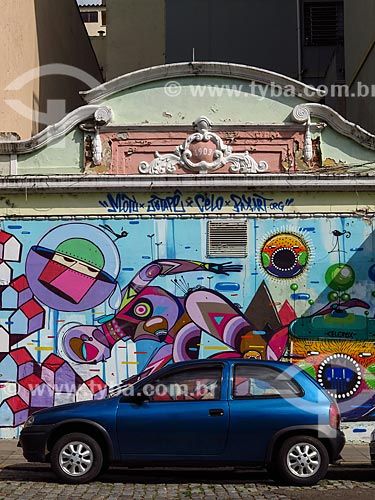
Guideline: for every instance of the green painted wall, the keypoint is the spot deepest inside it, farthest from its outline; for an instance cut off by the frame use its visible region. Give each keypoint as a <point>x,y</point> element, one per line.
<point>343,149</point>
<point>64,156</point>
<point>181,101</point>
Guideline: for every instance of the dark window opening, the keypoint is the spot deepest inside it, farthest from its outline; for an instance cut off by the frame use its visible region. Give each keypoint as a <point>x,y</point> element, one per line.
<point>90,16</point>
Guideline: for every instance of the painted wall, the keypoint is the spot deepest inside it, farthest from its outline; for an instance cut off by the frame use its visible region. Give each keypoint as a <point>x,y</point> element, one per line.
<point>86,304</point>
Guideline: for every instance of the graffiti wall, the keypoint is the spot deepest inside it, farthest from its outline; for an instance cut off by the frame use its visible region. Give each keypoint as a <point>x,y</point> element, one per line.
<point>89,305</point>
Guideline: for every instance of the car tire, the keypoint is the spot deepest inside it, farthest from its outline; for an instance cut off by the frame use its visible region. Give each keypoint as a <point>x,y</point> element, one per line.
<point>76,458</point>
<point>300,461</point>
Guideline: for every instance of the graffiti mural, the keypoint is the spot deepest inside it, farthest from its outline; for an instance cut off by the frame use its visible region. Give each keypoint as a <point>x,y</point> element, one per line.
<point>86,307</point>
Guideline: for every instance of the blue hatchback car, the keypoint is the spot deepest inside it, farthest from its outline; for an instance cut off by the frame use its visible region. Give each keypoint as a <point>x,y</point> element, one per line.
<point>209,413</point>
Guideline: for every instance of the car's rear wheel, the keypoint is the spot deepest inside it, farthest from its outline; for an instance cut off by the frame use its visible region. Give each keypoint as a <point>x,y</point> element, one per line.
<point>76,458</point>
<point>301,461</point>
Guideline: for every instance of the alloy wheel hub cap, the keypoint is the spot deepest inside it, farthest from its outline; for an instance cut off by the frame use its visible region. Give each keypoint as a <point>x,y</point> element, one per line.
<point>76,458</point>
<point>303,460</point>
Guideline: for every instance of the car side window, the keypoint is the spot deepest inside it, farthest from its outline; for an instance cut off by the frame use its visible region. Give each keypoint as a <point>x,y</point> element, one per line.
<point>197,384</point>
<point>263,382</point>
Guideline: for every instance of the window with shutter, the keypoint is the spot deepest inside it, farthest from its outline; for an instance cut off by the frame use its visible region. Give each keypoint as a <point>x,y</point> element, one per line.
<point>323,23</point>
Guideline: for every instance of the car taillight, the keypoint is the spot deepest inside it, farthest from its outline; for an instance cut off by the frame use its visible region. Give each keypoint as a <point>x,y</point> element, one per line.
<point>334,416</point>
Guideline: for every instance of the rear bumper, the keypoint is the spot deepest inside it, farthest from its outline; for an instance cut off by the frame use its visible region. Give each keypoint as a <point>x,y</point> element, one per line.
<point>33,441</point>
<point>337,443</point>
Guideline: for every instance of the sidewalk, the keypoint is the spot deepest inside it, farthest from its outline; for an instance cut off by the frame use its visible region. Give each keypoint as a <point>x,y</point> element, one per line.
<point>355,453</point>
<point>11,455</point>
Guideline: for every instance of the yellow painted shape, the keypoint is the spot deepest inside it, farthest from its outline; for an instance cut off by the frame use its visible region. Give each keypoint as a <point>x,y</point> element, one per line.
<point>128,297</point>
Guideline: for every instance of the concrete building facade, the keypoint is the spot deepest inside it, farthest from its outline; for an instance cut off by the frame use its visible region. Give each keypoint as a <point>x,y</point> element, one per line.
<point>93,13</point>
<point>297,38</point>
<point>360,61</point>
<point>42,70</point>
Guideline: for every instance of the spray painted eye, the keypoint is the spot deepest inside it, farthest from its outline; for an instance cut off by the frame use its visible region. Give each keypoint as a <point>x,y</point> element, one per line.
<point>285,255</point>
<point>142,309</point>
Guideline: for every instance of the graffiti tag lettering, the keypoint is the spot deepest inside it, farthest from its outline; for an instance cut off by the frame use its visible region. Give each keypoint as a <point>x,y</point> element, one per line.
<point>340,334</point>
<point>209,203</point>
<point>204,203</point>
<point>172,204</point>
<point>120,204</point>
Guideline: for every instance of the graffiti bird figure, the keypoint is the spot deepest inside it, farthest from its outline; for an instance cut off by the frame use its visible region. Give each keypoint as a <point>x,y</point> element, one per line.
<point>149,312</point>
<point>337,234</point>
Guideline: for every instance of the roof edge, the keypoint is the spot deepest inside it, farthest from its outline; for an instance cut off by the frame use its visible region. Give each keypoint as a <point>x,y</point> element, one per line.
<point>177,70</point>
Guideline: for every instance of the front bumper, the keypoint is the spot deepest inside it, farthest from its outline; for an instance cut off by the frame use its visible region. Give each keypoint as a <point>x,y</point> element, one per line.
<point>33,441</point>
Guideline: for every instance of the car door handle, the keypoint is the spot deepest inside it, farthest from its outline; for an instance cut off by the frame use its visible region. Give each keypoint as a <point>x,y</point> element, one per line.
<point>216,412</point>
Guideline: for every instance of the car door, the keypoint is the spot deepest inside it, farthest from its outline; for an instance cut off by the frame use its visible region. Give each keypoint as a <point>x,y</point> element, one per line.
<point>184,415</point>
<point>262,401</point>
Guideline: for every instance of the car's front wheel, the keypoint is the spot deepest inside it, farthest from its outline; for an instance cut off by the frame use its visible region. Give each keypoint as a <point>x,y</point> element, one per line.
<point>301,461</point>
<point>76,458</point>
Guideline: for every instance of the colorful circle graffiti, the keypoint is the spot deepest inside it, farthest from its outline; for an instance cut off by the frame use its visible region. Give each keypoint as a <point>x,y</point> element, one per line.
<point>340,375</point>
<point>73,268</point>
<point>285,255</point>
<point>340,277</point>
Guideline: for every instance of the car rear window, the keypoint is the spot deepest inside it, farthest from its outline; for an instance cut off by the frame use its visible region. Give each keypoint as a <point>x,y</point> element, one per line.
<point>263,382</point>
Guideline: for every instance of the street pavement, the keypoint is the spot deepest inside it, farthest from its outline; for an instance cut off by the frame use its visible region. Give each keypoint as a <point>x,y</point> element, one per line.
<point>352,478</point>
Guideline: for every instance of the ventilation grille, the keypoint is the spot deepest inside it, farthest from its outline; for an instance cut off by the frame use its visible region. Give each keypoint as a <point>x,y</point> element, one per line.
<point>227,239</point>
<point>323,23</point>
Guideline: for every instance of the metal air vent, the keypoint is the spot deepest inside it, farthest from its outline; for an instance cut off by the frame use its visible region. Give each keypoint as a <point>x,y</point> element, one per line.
<point>227,239</point>
<point>323,23</point>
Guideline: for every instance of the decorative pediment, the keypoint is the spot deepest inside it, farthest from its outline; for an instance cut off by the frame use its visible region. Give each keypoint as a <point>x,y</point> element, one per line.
<point>202,152</point>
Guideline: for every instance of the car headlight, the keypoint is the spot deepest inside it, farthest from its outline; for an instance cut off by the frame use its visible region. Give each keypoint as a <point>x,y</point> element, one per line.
<point>29,421</point>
